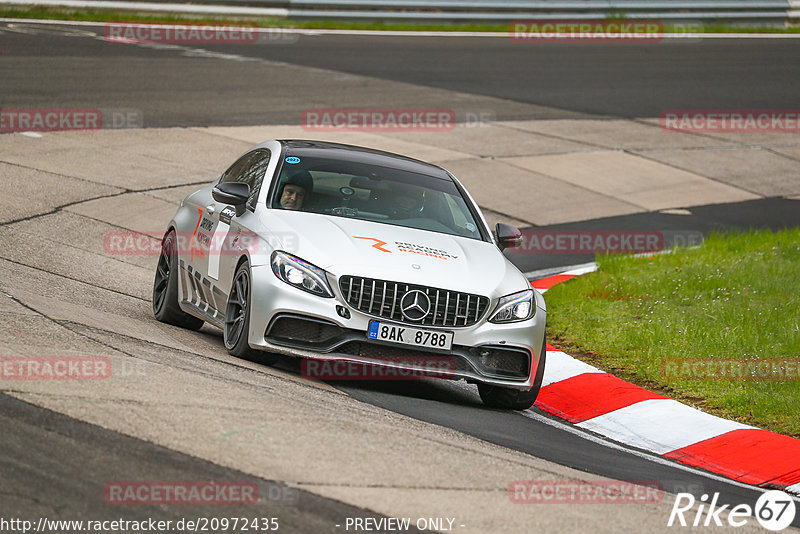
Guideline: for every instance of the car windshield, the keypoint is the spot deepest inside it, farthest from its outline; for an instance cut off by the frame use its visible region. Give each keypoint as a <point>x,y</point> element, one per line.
<point>374,193</point>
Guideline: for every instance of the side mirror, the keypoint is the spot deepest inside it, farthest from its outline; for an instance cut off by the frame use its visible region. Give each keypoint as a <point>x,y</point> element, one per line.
<point>507,236</point>
<point>235,194</point>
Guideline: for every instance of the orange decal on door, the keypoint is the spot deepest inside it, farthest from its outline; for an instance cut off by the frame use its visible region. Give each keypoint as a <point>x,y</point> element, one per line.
<point>191,245</point>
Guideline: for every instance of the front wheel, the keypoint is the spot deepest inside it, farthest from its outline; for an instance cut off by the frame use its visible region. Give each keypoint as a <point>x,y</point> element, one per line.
<point>514,399</point>
<point>237,319</point>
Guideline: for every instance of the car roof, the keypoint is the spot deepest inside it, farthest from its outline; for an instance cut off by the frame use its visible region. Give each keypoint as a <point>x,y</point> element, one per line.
<point>357,154</point>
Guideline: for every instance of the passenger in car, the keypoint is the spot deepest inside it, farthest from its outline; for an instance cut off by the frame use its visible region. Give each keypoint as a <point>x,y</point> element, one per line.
<point>296,190</point>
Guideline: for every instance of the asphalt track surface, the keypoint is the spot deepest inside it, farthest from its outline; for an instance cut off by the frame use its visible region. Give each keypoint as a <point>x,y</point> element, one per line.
<point>46,66</point>
<point>543,80</point>
<point>44,466</point>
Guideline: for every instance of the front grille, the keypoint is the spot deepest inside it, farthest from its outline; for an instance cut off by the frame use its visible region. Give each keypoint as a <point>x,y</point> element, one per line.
<point>382,299</point>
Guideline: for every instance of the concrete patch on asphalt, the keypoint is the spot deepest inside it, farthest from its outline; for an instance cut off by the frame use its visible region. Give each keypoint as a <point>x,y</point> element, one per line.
<point>206,152</point>
<point>506,187</point>
<point>47,253</point>
<point>29,191</point>
<point>46,284</point>
<point>132,211</point>
<point>258,134</point>
<point>492,139</point>
<point>111,166</point>
<point>754,169</point>
<point>73,231</point>
<point>175,194</point>
<point>618,134</point>
<point>632,179</point>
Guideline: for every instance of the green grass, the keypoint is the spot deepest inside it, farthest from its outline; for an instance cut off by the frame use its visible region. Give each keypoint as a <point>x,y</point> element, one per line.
<point>735,298</point>
<point>96,15</point>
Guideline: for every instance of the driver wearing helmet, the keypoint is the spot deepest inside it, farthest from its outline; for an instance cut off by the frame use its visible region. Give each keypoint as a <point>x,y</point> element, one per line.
<point>296,190</point>
<point>407,201</point>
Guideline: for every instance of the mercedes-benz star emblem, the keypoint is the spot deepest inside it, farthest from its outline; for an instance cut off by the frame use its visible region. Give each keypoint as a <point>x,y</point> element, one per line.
<point>415,305</point>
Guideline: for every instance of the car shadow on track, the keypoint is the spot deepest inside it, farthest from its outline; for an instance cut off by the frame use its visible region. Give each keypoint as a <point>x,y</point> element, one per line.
<point>453,392</point>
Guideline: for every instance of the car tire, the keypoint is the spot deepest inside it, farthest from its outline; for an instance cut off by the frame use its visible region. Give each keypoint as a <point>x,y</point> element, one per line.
<point>237,319</point>
<point>165,288</point>
<point>514,399</point>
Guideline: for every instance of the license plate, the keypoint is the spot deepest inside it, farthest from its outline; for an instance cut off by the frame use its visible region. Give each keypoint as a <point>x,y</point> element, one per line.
<point>408,335</point>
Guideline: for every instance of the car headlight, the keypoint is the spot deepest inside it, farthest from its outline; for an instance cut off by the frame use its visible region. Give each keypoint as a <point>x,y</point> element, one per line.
<point>515,307</point>
<point>300,274</point>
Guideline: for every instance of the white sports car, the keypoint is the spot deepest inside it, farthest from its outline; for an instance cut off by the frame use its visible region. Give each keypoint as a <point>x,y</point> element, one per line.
<point>339,253</point>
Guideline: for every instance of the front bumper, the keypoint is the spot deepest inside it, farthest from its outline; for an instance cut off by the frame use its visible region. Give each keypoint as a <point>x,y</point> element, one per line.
<point>290,321</point>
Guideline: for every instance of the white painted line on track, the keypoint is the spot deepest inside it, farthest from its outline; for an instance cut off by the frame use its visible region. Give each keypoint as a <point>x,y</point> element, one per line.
<point>660,425</point>
<point>303,31</point>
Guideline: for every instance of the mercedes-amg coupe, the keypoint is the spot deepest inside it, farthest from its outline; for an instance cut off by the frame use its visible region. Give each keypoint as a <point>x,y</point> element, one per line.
<point>345,255</point>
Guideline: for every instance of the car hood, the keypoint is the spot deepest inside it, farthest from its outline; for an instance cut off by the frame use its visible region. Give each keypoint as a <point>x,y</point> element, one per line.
<point>345,246</point>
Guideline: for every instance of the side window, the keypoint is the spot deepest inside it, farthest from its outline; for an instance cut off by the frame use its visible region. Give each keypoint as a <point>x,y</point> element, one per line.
<point>249,169</point>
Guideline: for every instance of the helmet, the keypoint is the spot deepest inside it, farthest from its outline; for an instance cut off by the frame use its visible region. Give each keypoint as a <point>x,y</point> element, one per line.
<point>407,201</point>
<point>302,179</point>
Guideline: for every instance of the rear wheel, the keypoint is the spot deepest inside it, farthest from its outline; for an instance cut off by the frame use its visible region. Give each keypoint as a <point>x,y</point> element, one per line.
<point>165,289</point>
<point>237,319</point>
<point>514,399</point>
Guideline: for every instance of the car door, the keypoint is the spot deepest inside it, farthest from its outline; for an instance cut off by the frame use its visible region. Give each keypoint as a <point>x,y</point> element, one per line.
<point>194,251</point>
<point>224,228</point>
